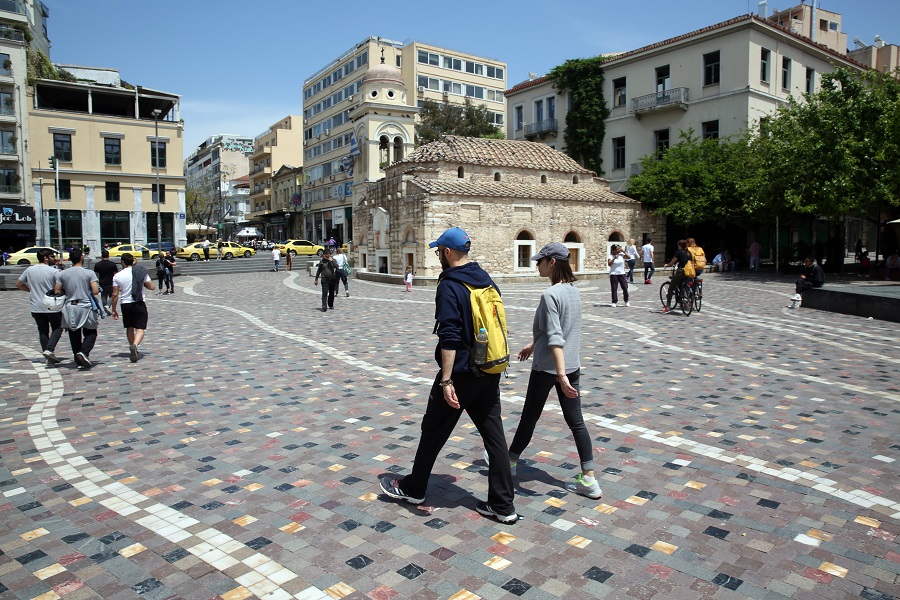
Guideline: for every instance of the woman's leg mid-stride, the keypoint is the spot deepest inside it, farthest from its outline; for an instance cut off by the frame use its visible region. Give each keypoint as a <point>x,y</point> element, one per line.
<point>539,386</point>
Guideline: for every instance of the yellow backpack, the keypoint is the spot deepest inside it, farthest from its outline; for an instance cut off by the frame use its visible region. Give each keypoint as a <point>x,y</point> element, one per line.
<point>488,313</point>
<point>698,257</point>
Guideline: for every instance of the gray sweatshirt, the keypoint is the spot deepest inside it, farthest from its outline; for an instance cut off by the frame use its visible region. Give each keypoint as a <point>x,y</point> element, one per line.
<point>557,322</point>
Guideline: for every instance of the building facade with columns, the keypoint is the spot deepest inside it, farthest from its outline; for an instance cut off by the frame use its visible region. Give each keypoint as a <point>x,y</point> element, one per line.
<point>511,197</point>
<point>106,138</point>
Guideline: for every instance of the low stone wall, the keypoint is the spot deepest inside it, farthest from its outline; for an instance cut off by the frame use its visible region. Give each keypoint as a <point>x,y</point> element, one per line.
<point>853,302</point>
<point>431,281</point>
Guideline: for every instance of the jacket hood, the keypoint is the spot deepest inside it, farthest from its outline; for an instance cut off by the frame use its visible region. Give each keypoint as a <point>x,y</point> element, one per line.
<point>470,273</point>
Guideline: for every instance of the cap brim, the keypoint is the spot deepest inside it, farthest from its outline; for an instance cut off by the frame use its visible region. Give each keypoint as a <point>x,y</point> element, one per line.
<point>434,244</point>
<point>537,257</point>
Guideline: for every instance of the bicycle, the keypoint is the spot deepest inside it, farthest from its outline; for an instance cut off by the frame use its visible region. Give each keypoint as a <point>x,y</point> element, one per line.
<point>697,284</point>
<point>684,296</point>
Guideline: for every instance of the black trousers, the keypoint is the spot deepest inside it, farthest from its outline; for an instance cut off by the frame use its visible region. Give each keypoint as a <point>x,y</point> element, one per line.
<point>82,340</point>
<point>329,286</point>
<point>49,326</point>
<point>480,398</point>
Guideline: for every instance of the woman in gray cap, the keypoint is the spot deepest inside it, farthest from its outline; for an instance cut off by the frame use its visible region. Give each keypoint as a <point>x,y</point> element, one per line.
<point>556,350</point>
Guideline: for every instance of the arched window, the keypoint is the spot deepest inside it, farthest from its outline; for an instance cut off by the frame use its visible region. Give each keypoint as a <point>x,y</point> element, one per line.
<point>496,176</point>
<point>575,179</point>
<point>384,151</point>
<point>398,149</point>
<point>525,248</point>
<point>524,235</point>
<point>543,179</point>
<point>616,236</point>
<point>572,237</point>
<point>460,172</point>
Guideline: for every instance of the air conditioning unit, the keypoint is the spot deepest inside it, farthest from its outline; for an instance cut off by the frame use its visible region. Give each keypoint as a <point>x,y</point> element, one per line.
<point>421,89</point>
<point>349,98</point>
<point>318,136</point>
<point>446,94</point>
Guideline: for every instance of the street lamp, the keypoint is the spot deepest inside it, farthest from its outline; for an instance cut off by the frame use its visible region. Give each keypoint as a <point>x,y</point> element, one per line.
<point>156,112</point>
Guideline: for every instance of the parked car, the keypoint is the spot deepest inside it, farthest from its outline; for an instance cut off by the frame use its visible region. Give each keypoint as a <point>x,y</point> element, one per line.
<point>296,247</point>
<point>28,256</point>
<point>166,247</point>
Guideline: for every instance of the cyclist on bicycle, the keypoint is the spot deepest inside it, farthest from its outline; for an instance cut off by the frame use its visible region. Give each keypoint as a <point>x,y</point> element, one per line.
<point>681,257</point>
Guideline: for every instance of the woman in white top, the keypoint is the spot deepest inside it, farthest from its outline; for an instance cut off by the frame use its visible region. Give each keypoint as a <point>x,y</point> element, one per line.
<point>631,253</point>
<point>617,276</point>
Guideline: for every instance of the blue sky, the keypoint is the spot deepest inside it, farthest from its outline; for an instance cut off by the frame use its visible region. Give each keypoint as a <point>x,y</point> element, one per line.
<point>239,65</point>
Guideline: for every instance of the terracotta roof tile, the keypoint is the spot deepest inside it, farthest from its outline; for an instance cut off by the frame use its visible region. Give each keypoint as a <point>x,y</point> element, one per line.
<point>527,84</point>
<point>495,153</point>
<point>586,192</point>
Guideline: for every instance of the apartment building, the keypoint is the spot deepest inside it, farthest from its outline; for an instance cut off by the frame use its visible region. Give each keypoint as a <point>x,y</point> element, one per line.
<point>281,144</point>
<point>427,72</point>
<point>210,169</point>
<point>287,183</point>
<point>23,24</point>
<point>717,81</point>
<point>112,143</point>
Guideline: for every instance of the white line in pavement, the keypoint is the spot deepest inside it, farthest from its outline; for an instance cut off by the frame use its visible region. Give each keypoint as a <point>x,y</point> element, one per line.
<point>216,549</point>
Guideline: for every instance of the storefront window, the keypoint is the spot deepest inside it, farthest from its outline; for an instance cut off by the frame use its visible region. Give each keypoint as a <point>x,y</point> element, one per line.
<point>114,227</point>
<point>71,228</point>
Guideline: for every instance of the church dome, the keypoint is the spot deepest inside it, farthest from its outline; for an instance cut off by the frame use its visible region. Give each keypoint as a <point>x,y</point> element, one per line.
<point>384,74</point>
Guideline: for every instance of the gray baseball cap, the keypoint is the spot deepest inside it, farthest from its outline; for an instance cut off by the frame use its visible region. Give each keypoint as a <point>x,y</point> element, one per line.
<point>552,250</point>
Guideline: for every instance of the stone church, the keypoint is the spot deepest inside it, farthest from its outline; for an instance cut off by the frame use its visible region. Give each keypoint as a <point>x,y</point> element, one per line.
<point>511,197</point>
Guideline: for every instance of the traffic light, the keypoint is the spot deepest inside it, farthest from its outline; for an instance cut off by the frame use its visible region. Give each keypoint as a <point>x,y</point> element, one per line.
<point>52,163</point>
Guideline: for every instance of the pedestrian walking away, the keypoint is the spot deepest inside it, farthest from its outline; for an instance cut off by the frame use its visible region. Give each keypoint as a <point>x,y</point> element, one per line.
<point>617,277</point>
<point>556,352</point>
<point>80,314</point>
<point>326,270</point>
<point>128,286</point>
<point>276,257</point>
<point>39,280</point>
<point>755,250</point>
<point>459,386</point>
<point>105,270</point>
<point>206,249</point>
<point>219,246</point>
<point>647,255</point>
<point>160,275</point>
<point>697,256</point>
<point>631,256</point>
<point>343,271</point>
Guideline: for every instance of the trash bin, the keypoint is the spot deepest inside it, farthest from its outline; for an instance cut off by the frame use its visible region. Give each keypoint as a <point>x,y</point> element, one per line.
<point>145,254</point>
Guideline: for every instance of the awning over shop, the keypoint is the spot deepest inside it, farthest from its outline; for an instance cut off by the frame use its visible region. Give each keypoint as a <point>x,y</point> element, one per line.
<point>249,232</point>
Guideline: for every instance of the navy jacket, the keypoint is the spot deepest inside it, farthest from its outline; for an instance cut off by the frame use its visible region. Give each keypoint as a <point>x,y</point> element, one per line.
<point>453,312</point>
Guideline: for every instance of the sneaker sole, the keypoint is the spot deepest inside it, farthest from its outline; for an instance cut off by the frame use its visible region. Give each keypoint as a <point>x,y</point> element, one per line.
<point>391,494</point>
<point>133,354</point>
<point>83,361</point>
<point>489,513</point>
<point>52,360</point>
<point>580,493</point>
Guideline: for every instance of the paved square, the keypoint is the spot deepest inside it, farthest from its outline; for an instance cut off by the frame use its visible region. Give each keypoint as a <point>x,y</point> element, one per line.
<point>745,451</point>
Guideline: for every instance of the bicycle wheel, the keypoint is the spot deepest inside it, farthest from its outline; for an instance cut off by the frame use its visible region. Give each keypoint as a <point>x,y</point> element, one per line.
<point>663,293</point>
<point>698,294</point>
<point>687,299</point>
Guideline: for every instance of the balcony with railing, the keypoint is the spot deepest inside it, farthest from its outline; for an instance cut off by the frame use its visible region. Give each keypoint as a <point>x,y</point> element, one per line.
<point>666,99</point>
<point>8,150</point>
<point>11,33</point>
<point>7,110</point>
<point>13,6</point>
<point>9,189</point>
<point>544,127</point>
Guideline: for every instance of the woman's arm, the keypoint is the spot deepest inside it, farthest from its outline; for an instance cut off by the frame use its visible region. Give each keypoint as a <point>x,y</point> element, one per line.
<point>560,362</point>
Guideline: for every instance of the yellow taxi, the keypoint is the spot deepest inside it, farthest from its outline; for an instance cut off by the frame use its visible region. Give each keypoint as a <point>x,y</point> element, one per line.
<point>229,250</point>
<point>28,256</point>
<point>296,247</point>
<point>136,250</point>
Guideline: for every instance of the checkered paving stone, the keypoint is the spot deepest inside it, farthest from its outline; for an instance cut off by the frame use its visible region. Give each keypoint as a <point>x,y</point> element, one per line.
<point>744,451</point>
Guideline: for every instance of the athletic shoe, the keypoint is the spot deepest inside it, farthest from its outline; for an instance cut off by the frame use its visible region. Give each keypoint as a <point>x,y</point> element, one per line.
<point>391,487</point>
<point>628,304</point>
<point>51,358</point>
<point>579,486</point>
<point>324,309</point>
<point>108,311</point>
<point>646,282</point>
<point>348,294</point>
<point>512,464</point>
<point>489,511</point>
<point>666,309</point>
<point>83,361</point>
<point>613,304</point>
<point>796,297</point>
<point>132,353</point>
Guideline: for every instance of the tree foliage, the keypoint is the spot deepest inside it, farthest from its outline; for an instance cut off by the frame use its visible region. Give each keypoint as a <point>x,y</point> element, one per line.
<point>836,153</point>
<point>585,120</point>
<point>696,180</point>
<point>438,119</point>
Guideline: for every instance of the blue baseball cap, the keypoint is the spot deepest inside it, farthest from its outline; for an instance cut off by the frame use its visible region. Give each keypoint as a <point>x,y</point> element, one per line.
<point>454,238</point>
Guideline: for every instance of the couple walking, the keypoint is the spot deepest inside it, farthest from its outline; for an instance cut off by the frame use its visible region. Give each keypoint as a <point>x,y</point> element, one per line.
<point>457,387</point>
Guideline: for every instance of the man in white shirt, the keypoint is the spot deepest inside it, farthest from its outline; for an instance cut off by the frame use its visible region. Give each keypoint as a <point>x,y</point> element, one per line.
<point>134,310</point>
<point>206,249</point>
<point>276,256</point>
<point>647,254</point>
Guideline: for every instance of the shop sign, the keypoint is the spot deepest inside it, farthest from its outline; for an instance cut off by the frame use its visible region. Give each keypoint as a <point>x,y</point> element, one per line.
<point>17,215</point>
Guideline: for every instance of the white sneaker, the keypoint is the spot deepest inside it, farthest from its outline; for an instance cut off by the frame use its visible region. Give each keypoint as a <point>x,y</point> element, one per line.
<point>613,304</point>
<point>628,304</point>
<point>579,486</point>
<point>796,297</point>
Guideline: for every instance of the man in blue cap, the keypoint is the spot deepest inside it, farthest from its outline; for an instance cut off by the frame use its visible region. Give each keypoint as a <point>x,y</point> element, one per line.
<point>457,387</point>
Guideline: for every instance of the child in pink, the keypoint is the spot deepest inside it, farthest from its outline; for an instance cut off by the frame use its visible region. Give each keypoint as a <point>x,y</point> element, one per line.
<point>409,279</point>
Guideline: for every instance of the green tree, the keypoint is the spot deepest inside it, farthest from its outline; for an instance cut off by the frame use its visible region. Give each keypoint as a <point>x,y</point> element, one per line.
<point>696,180</point>
<point>438,119</point>
<point>585,120</point>
<point>836,153</point>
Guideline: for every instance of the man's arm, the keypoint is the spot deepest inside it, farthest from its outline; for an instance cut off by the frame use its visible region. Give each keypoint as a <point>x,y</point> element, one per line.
<point>114,301</point>
<point>148,283</point>
<point>22,285</point>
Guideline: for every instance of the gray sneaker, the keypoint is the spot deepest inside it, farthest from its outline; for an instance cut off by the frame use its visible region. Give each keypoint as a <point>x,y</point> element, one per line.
<point>391,487</point>
<point>591,490</point>
<point>51,358</point>
<point>133,353</point>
